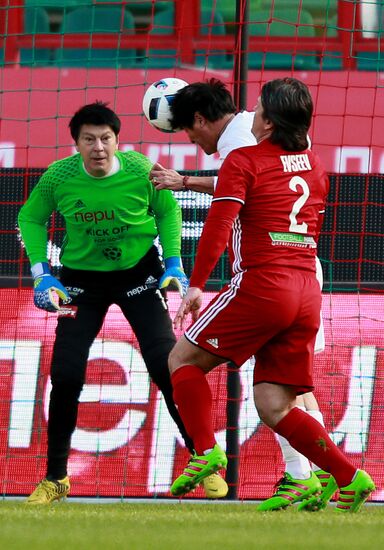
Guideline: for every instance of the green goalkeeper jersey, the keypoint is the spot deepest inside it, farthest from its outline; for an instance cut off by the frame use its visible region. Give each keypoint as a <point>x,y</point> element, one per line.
<point>110,222</point>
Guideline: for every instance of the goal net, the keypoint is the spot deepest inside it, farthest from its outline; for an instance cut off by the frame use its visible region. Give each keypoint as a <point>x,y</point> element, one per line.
<point>60,54</point>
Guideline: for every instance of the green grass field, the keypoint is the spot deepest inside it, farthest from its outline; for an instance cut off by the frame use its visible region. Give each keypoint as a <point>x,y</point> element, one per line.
<point>184,526</point>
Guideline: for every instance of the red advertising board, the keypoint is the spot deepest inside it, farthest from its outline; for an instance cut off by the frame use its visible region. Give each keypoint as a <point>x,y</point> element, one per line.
<point>37,104</point>
<point>126,445</point>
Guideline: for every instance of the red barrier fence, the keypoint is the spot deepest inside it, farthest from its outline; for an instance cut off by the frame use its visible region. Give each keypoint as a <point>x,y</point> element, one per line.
<point>126,445</point>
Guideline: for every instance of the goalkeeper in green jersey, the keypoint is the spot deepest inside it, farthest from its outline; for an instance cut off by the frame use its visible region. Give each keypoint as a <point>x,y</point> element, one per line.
<point>112,215</point>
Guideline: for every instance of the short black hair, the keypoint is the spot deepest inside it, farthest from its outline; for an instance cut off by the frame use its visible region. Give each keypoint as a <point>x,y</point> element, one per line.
<point>211,99</point>
<point>287,103</point>
<point>96,113</point>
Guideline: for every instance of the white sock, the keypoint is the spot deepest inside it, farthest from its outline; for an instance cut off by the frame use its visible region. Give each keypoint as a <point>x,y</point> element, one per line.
<point>317,415</point>
<point>296,464</point>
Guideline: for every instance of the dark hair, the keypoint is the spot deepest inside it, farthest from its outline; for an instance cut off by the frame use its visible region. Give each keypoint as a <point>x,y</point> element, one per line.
<point>211,99</point>
<point>96,113</point>
<point>287,103</point>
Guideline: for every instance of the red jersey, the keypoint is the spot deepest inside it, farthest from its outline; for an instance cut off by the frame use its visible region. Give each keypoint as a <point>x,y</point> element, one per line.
<point>267,207</point>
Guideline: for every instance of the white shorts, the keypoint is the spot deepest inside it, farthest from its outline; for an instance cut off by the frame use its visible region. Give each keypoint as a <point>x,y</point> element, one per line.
<point>320,338</point>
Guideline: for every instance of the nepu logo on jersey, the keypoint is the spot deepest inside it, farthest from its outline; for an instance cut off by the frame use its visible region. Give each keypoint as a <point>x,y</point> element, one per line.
<point>95,217</point>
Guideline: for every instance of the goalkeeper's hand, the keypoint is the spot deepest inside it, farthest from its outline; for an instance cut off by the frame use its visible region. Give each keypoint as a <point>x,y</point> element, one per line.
<point>47,289</point>
<point>174,274</point>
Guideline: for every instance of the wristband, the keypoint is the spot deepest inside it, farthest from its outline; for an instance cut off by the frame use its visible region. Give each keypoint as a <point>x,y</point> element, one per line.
<point>185,183</point>
<point>39,269</point>
<point>173,261</point>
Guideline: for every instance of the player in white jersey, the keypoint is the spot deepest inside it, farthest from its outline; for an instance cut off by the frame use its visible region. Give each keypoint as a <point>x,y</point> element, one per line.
<point>223,135</point>
<point>206,111</point>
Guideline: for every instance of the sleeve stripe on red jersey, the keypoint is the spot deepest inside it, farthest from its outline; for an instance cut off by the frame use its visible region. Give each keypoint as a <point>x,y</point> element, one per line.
<point>228,199</point>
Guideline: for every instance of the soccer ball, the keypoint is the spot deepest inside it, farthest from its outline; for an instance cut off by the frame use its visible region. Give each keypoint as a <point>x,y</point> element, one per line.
<point>156,102</point>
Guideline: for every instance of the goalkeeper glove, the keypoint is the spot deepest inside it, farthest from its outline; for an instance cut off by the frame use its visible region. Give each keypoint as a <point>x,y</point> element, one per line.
<point>45,288</point>
<point>174,274</point>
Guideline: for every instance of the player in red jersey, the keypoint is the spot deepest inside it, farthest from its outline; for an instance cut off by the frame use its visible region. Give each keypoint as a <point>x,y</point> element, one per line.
<point>207,113</point>
<point>266,207</point>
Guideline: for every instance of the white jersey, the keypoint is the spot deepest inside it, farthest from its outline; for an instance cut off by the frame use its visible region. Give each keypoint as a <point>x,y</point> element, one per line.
<point>236,134</point>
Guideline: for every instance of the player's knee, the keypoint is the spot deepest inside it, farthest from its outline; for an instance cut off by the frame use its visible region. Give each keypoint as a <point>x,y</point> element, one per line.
<point>185,353</point>
<point>68,390</point>
<point>269,413</point>
<point>175,359</point>
<point>264,414</point>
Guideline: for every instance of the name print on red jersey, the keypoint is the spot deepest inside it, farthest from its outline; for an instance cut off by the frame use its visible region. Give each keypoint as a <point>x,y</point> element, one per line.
<point>295,163</point>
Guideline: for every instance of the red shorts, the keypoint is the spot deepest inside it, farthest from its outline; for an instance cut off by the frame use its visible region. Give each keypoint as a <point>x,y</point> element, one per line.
<point>273,315</point>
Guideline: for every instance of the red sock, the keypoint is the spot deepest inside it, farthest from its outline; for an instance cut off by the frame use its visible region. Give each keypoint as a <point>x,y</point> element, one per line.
<point>308,436</point>
<point>192,395</point>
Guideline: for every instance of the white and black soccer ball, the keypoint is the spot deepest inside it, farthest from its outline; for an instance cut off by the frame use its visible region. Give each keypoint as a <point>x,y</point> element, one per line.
<point>157,100</point>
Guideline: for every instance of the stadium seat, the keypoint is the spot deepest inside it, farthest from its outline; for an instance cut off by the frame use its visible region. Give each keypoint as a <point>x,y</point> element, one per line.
<point>333,60</point>
<point>370,61</point>
<point>213,24</point>
<point>320,10</point>
<point>374,60</point>
<point>284,23</point>
<point>57,4</point>
<point>91,20</point>
<point>330,60</point>
<point>164,23</point>
<point>144,7</point>
<point>36,21</point>
<point>228,8</point>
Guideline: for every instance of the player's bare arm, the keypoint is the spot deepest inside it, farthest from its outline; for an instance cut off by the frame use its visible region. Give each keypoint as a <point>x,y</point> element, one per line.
<point>163,178</point>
